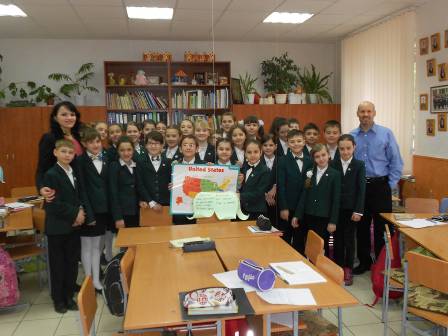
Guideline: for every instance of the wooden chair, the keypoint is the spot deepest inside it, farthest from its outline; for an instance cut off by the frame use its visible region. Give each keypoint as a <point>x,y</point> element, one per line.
<point>126,267</point>
<point>314,246</point>
<point>149,217</point>
<point>23,191</point>
<point>443,205</point>
<point>429,272</point>
<point>421,205</point>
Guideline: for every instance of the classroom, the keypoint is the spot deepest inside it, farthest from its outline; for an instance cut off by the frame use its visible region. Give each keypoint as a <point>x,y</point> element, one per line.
<point>223,167</point>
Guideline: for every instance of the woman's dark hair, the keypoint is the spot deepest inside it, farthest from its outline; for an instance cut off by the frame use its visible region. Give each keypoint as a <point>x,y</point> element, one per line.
<point>253,141</point>
<point>347,137</point>
<point>148,122</point>
<point>56,129</point>
<point>224,140</point>
<point>124,139</point>
<point>276,124</point>
<point>267,137</point>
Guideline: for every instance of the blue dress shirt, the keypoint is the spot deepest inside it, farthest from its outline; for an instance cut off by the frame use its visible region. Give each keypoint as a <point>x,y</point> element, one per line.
<point>380,152</point>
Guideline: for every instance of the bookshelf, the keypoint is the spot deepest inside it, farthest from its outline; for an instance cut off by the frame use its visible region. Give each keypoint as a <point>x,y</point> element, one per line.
<point>166,101</point>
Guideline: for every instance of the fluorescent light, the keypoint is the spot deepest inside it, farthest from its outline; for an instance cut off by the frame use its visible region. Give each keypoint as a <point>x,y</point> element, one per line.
<point>285,17</point>
<point>11,10</point>
<point>150,13</point>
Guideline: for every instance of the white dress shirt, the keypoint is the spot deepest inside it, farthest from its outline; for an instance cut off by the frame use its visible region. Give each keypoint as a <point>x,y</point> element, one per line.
<point>138,148</point>
<point>69,173</point>
<point>250,170</point>
<point>97,161</point>
<point>239,154</point>
<point>228,163</point>
<point>345,164</point>
<point>171,151</point>
<point>202,151</point>
<point>130,166</point>
<point>155,160</point>
<point>188,162</point>
<point>309,148</point>
<point>299,162</point>
<point>320,172</point>
<point>269,161</point>
<point>332,151</point>
<point>284,146</point>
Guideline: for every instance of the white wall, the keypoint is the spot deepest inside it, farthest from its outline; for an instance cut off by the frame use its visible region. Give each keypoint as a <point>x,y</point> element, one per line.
<point>431,18</point>
<point>34,59</point>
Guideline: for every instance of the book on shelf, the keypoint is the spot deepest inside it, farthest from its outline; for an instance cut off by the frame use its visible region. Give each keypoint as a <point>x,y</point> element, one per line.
<point>135,100</point>
<point>214,121</point>
<point>125,117</point>
<point>198,99</point>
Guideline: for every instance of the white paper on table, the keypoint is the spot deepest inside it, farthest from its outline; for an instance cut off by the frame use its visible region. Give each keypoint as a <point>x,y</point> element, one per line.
<point>419,223</point>
<point>18,205</point>
<point>231,280</point>
<point>255,229</point>
<point>297,273</point>
<point>289,296</point>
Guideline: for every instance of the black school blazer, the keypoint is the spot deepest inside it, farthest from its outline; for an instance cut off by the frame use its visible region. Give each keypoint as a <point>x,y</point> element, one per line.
<point>175,157</point>
<point>252,191</point>
<point>156,183</point>
<point>353,185</point>
<point>272,172</point>
<point>210,154</point>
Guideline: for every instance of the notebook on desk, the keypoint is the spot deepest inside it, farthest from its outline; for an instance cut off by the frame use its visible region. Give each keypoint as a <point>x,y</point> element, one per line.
<point>296,273</point>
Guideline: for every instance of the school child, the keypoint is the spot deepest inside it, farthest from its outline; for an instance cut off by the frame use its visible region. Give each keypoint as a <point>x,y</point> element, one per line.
<point>161,128</point>
<point>147,127</point>
<point>238,137</point>
<point>64,216</point>
<point>115,132</point>
<point>172,137</point>
<point>255,181</point>
<point>227,122</point>
<point>269,158</point>
<point>101,127</point>
<point>189,148</point>
<point>290,184</point>
<point>93,170</point>
<point>332,132</point>
<point>224,152</point>
<point>133,132</point>
<point>186,127</point>
<point>206,151</point>
<point>353,187</point>
<point>311,132</point>
<point>253,129</point>
<point>318,208</point>
<point>281,136</point>
<point>127,194</point>
<point>293,123</point>
<point>155,172</point>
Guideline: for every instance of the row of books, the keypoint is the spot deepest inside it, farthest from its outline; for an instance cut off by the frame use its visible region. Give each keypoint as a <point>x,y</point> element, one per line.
<point>135,100</point>
<point>200,99</point>
<point>214,121</point>
<point>124,118</point>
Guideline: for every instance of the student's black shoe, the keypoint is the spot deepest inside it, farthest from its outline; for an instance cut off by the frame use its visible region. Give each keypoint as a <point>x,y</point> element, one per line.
<point>71,305</point>
<point>103,260</point>
<point>60,308</point>
<point>77,288</point>
<point>360,270</point>
<point>99,291</point>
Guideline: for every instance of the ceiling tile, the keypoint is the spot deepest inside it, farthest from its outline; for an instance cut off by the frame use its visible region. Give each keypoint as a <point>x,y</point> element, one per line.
<point>202,4</point>
<point>354,7</point>
<point>16,27</point>
<point>311,6</point>
<point>105,3</point>
<point>151,3</point>
<point>191,30</point>
<point>21,3</point>
<point>242,16</point>
<point>329,18</point>
<point>364,19</point>
<point>386,8</point>
<point>194,15</point>
<point>150,27</point>
<point>265,5</point>
<point>101,12</point>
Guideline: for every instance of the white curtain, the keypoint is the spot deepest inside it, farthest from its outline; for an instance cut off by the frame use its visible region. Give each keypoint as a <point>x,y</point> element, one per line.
<point>378,65</point>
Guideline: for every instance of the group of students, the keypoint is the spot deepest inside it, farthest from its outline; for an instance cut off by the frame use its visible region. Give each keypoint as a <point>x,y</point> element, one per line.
<point>305,184</point>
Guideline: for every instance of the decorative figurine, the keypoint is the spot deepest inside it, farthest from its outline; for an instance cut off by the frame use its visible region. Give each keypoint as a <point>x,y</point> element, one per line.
<point>140,78</point>
<point>111,79</point>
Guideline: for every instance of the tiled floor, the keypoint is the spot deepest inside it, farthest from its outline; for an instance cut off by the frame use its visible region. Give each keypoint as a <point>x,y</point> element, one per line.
<point>40,319</point>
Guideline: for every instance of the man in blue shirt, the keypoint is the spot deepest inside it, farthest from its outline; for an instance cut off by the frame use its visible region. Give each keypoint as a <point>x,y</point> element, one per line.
<point>377,147</point>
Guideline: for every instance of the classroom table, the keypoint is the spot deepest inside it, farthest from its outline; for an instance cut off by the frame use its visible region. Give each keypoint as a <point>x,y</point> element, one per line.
<point>434,238</point>
<point>19,220</point>
<point>159,274</point>
<point>158,234</point>
<point>264,250</point>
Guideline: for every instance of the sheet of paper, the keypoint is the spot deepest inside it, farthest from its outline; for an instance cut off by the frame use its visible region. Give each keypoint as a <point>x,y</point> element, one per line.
<point>297,273</point>
<point>419,223</point>
<point>231,280</point>
<point>204,205</point>
<point>18,205</point>
<point>284,319</point>
<point>227,205</point>
<point>255,229</point>
<point>289,296</point>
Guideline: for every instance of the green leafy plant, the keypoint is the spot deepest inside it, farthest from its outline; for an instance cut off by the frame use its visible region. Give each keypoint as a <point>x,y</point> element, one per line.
<point>247,84</point>
<point>313,83</point>
<point>280,74</point>
<point>22,89</point>
<point>43,94</point>
<point>78,82</point>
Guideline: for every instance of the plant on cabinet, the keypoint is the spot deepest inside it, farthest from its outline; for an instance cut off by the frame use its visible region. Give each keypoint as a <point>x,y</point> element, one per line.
<point>247,86</point>
<point>315,86</point>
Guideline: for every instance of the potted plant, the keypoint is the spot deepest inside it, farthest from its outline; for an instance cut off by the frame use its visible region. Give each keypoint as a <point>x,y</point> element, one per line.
<point>21,90</point>
<point>314,85</point>
<point>280,76</point>
<point>44,94</point>
<point>77,84</point>
<point>247,86</point>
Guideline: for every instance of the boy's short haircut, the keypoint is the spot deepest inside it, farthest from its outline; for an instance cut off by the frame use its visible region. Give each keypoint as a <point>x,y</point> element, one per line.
<point>64,143</point>
<point>124,139</point>
<point>149,122</point>
<point>333,123</point>
<point>311,126</point>
<point>189,136</point>
<point>251,120</point>
<point>253,141</point>
<point>265,138</point>
<point>173,127</point>
<point>133,123</point>
<point>293,121</point>
<point>293,133</point>
<point>154,136</point>
<point>89,134</point>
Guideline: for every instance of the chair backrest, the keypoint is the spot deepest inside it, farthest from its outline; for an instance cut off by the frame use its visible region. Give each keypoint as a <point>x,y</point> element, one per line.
<point>330,269</point>
<point>421,205</point>
<point>444,205</point>
<point>427,271</point>
<point>39,219</point>
<point>24,191</point>
<point>87,306</point>
<point>388,241</point>
<point>126,267</point>
<point>149,217</point>
<point>314,246</point>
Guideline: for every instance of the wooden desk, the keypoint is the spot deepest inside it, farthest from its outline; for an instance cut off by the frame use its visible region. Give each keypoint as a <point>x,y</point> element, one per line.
<point>160,273</point>
<point>391,218</point>
<point>20,220</point>
<point>146,235</point>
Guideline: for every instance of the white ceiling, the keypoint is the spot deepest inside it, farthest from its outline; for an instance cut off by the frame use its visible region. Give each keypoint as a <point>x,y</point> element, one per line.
<point>232,20</point>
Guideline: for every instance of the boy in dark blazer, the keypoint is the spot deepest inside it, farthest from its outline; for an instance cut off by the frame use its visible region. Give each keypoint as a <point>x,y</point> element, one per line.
<point>311,133</point>
<point>332,132</point>
<point>290,183</point>
<point>64,215</point>
<point>353,188</point>
<point>318,208</point>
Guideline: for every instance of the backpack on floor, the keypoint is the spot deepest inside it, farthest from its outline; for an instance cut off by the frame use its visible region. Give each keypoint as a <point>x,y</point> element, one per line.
<point>112,287</point>
<point>377,270</point>
<point>9,288</point>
